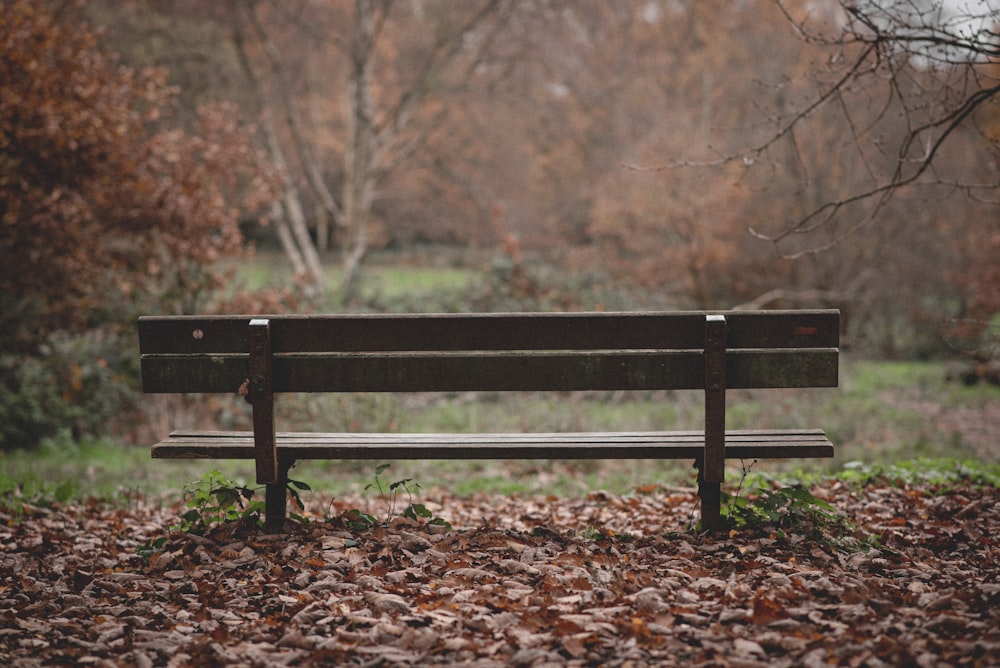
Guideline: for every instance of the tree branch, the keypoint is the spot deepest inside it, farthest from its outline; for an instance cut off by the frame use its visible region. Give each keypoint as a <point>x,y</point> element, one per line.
<point>879,43</point>
<point>884,192</point>
<point>444,52</point>
<point>308,161</point>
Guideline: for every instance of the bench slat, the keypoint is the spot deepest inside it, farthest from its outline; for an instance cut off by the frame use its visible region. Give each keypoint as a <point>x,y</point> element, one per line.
<point>455,372</point>
<point>746,444</point>
<point>489,331</point>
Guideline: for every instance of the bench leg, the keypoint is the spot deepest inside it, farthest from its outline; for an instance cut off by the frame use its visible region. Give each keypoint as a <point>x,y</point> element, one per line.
<point>276,500</point>
<point>710,494</point>
<point>711,504</point>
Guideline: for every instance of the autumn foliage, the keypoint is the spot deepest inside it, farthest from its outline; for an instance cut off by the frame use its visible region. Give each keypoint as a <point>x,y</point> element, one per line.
<point>108,208</point>
<point>674,147</point>
<point>103,203</point>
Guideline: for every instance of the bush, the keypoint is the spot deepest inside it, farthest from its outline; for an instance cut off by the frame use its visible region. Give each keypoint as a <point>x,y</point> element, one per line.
<point>513,285</point>
<point>75,384</point>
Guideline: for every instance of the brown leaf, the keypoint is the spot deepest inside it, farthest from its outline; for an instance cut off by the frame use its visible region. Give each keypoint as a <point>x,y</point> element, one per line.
<point>767,610</point>
<point>487,595</point>
<point>387,602</point>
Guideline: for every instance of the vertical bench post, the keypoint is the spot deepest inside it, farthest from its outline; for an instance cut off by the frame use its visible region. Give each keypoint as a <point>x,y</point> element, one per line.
<point>261,397</point>
<point>713,469</point>
<point>276,499</point>
<point>270,471</point>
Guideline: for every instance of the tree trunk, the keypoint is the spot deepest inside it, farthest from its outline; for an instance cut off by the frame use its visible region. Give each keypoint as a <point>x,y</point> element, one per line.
<point>288,241</point>
<point>323,236</point>
<point>311,168</point>
<point>294,215</point>
<point>292,226</point>
<point>359,159</point>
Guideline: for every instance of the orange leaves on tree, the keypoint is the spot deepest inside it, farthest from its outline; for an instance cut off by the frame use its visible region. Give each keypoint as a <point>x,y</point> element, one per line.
<point>95,188</point>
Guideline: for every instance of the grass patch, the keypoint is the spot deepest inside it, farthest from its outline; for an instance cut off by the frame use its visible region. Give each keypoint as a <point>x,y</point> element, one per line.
<point>61,469</point>
<point>941,472</point>
<point>384,286</point>
<point>882,414</point>
<point>400,282</point>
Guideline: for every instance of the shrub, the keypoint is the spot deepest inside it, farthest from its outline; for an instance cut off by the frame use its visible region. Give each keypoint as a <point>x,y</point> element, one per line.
<point>76,384</point>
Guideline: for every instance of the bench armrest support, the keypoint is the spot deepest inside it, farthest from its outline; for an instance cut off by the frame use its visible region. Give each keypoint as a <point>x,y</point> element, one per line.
<point>261,395</point>
<point>715,399</point>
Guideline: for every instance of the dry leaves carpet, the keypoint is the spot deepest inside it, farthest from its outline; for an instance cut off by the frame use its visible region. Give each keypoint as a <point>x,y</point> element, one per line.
<point>616,581</point>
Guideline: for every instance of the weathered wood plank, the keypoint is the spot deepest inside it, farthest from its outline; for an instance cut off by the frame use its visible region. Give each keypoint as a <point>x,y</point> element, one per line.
<point>489,331</point>
<point>749,369</point>
<point>631,445</point>
<point>687,436</point>
<point>426,372</point>
<point>194,373</point>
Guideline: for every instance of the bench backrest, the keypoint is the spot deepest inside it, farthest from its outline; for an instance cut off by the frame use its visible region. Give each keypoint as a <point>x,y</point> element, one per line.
<point>496,351</point>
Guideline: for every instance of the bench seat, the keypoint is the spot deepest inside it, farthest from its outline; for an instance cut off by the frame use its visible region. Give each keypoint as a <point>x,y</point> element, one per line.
<point>743,444</point>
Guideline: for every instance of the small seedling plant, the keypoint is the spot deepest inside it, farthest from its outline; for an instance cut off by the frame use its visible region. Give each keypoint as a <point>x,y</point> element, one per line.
<point>214,499</point>
<point>390,493</point>
<point>788,510</point>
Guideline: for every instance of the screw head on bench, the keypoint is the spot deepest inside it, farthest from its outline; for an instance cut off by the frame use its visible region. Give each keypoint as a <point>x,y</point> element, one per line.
<point>198,334</point>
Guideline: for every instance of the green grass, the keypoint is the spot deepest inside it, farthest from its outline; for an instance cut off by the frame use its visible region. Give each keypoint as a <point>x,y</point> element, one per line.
<point>388,286</point>
<point>105,469</point>
<point>398,282</point>
<point>883,414</point>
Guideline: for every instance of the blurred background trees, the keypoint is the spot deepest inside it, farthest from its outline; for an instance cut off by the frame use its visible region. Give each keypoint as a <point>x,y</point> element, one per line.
<point>644,153</point>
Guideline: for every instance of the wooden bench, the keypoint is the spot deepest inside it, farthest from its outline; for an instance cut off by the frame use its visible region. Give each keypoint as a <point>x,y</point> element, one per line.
<point>260,357</point>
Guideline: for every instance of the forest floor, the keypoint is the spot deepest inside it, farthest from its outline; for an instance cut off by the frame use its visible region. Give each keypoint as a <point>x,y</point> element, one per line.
<point>894,574</point>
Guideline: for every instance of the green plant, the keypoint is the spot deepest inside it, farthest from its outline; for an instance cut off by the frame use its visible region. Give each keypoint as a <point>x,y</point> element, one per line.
<point>14,496</point>
<point>593,534</point>
<point>74,385</point>
<point>214,500</point>
<point>943,473</point>
<point>784,510</point>
<point>150,547</point>
<point>389,492</point>
<point>787,509</point>
<point>794,510</point>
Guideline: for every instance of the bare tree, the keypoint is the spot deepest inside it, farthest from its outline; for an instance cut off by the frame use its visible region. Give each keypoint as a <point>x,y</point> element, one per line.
<point>903,79</point>
<point>395,86</point>
<point>289,213</point>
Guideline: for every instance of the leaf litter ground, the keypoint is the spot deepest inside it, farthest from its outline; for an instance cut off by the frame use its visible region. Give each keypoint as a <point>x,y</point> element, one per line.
<point>605,580</point>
